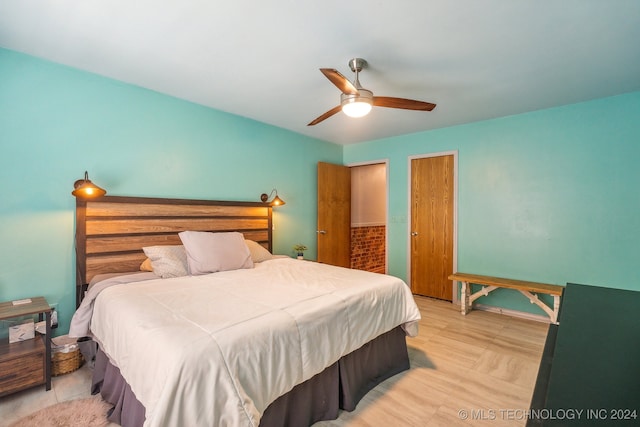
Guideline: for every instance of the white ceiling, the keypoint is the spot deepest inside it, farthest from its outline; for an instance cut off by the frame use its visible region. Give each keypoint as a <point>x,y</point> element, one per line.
<point>476,59</point>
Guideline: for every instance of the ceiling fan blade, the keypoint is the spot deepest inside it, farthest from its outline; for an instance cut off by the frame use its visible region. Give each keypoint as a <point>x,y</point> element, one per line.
<point>326,115</point>
<point>340,81</point>
<point>405,104</point>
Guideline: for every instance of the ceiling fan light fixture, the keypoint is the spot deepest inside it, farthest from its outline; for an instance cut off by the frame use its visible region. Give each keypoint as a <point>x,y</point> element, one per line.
<point>356,108</point>
<point>358,105</point>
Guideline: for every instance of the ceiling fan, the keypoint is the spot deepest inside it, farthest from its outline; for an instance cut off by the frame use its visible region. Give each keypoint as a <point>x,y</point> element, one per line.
<point>356,101</point>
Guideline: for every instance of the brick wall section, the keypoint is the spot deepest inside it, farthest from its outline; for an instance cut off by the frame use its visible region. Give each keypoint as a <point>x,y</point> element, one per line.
<point>368,248</point>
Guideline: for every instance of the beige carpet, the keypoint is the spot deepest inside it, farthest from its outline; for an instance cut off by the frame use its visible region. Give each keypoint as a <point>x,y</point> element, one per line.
<point>90,412</point>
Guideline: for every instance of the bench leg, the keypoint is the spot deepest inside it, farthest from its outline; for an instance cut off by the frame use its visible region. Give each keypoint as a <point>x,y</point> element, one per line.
<point>556,309</point>
<point>553,314</point>
<point>464,298</point>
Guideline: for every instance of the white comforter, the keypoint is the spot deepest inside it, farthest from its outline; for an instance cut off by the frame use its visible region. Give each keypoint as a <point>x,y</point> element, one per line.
<point>218,349</point>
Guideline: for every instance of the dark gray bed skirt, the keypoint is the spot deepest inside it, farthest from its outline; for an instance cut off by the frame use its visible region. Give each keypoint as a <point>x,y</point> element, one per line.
<point>340,386</point>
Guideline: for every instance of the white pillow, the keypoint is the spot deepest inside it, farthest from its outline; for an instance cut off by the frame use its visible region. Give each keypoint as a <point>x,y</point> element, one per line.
<point>212,252</point>
<point>168,261</point>
<point>258,252</point>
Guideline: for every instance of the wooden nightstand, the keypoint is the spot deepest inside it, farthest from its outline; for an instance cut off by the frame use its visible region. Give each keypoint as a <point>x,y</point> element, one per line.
<point>27,363</point>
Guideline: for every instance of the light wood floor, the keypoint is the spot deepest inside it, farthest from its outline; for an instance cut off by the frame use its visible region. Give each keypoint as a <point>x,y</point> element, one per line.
<point>482,366</point>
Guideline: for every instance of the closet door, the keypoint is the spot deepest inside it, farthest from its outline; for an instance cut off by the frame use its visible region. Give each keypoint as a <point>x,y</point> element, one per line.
<point>432,216</point>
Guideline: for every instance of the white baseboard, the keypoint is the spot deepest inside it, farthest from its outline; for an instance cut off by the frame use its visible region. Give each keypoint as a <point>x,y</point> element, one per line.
<point>514,313</point>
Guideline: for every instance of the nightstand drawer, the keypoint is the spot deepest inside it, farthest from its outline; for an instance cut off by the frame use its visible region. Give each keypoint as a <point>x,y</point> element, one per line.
<point>22,366</point>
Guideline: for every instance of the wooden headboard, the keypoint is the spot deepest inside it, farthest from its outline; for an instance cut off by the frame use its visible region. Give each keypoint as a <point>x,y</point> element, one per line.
<point>111,231</point>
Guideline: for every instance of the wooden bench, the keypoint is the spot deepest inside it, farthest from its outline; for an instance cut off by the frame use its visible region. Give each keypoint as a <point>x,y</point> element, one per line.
<point>528,289</point>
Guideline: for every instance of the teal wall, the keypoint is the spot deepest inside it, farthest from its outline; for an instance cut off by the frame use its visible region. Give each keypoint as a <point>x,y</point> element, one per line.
<point>550,196</point>
<point>56,122</point>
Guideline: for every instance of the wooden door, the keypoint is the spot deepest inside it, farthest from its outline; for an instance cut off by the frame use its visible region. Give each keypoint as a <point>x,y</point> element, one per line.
<point>432,204</point>
<point>334,214</point>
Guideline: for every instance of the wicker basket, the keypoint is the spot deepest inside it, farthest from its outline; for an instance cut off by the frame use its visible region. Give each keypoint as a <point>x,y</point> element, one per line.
<point>63,363</point>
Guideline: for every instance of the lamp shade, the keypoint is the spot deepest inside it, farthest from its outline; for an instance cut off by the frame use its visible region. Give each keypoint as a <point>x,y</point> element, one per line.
<point>356,109</point>
<point>277,201</point>
<point>84,188</point>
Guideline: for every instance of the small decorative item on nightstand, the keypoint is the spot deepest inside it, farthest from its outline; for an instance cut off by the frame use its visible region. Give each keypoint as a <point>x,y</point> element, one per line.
<point>300,248</point>
<point>22,331</point>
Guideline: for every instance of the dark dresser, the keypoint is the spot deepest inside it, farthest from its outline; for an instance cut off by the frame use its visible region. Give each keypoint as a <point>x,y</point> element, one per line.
<point>590,370</point>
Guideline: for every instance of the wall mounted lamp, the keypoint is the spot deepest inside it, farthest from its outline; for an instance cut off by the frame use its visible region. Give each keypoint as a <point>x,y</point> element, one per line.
<point>84,188</point>
<point>276,201</point>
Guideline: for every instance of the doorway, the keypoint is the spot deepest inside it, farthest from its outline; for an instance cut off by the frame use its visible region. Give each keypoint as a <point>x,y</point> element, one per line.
<point>369,217</point>
<point>432,237</point>
<point>359,240</point>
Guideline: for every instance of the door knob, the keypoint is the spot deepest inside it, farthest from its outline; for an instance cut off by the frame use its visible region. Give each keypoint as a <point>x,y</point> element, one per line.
<point>321,232</point>
<point>414,233</point>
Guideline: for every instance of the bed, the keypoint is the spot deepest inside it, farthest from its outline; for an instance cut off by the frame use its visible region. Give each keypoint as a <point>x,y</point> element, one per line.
<point>258,340</point>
